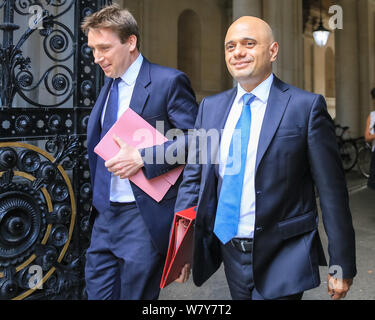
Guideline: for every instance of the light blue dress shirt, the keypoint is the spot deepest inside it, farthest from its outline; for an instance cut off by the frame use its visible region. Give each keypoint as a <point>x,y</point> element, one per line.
<point>121,190</point>
<point>258,109</point>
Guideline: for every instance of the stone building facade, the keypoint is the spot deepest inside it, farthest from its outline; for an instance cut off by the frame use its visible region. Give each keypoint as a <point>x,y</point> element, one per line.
<point>189,35</point>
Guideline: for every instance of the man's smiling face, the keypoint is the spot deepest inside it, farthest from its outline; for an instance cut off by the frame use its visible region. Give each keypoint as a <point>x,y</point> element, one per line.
<point>250,50</point>
<point>112,56</point>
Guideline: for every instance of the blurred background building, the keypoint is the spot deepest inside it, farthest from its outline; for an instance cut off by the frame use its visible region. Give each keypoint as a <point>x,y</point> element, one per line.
<point>189,35</point>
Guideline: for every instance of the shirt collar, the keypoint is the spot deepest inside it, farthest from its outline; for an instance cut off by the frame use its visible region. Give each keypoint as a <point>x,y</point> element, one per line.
<point>261,92</point>
<point>131,74</point>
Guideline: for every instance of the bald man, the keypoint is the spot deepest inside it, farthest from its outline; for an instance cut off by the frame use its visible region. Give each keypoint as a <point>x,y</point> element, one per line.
<point>256,205</point>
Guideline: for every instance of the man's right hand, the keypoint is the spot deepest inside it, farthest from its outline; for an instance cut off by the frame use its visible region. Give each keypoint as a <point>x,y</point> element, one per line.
<point>184,275</point>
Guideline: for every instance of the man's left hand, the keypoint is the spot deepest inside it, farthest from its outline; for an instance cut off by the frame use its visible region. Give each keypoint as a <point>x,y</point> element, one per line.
<point>338,288</point>
<point>184,275</point>
<point>126,162</point>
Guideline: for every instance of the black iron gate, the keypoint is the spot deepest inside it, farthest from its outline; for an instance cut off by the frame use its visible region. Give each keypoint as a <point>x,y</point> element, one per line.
<point>48,85</point>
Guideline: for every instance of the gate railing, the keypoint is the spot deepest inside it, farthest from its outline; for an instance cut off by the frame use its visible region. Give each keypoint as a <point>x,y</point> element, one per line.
<point>48,85</point>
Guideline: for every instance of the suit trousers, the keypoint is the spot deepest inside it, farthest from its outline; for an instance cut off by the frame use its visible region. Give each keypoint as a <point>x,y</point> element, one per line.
<point>239,273</point>
<point>122,263</point>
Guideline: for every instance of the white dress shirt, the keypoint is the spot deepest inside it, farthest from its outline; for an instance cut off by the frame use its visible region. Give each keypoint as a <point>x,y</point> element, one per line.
<point>258,108</point>
<point>121,190</point>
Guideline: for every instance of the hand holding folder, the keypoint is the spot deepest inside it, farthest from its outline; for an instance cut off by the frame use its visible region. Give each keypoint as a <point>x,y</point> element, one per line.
<point>137,132</point>
<point>180,250</point>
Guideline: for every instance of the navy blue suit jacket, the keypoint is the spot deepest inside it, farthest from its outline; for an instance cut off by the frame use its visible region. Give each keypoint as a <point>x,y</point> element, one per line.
<point>297,149</point>
<point>160,94</point>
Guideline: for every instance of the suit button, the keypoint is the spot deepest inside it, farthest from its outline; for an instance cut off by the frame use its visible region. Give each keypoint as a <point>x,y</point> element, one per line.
<point>259,192</point>
<point>259,229</point>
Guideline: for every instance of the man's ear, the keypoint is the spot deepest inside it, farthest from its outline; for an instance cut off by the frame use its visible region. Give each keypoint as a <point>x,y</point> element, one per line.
<point>274,50</point>
<point>132,40</point>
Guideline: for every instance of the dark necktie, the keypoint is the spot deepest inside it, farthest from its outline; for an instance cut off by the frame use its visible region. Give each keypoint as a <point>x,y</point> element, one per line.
<point>102,182</point>
<point>229,204</point>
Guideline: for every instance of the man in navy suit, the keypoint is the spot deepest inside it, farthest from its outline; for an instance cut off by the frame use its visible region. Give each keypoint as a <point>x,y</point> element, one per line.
<point>261,219</point>
<point>130,231</point>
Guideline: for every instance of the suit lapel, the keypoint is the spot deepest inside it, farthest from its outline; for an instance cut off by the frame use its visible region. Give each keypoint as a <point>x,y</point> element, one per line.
<point>223,108</point>
<point>141,93</point>
<point>93,127</point>
<point>277,102</point>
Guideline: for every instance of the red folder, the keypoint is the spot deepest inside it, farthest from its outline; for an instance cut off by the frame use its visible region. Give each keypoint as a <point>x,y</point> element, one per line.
<point>180,250</point>
<point>137,132</point>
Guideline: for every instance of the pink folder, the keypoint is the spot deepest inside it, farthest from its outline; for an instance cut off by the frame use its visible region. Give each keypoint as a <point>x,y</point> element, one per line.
<point>137,132</point>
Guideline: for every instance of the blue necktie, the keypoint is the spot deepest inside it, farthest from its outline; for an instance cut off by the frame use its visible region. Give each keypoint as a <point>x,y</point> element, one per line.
<point>102,182</point>
<point>110,116</point>
<point>229,204</point>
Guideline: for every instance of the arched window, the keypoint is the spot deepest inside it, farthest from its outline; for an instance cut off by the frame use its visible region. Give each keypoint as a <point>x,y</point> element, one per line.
<point>189,47</point>
<point>330,73</point>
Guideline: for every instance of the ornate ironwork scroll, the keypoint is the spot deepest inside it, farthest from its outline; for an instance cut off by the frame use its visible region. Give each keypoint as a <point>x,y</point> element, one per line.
<point>48,85</point>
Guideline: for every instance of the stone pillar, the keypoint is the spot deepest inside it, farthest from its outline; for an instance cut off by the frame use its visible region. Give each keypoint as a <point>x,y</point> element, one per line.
<point>347,69</point>
<point>285,18</point>
<point>247,8</point>
<point>366,12</point>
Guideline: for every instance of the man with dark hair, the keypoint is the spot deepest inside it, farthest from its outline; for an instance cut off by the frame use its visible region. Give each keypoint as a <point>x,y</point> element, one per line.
<point>130,232</point>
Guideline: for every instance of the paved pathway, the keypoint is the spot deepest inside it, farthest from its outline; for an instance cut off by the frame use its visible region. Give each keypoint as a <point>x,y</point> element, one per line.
<point>362,203</point>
